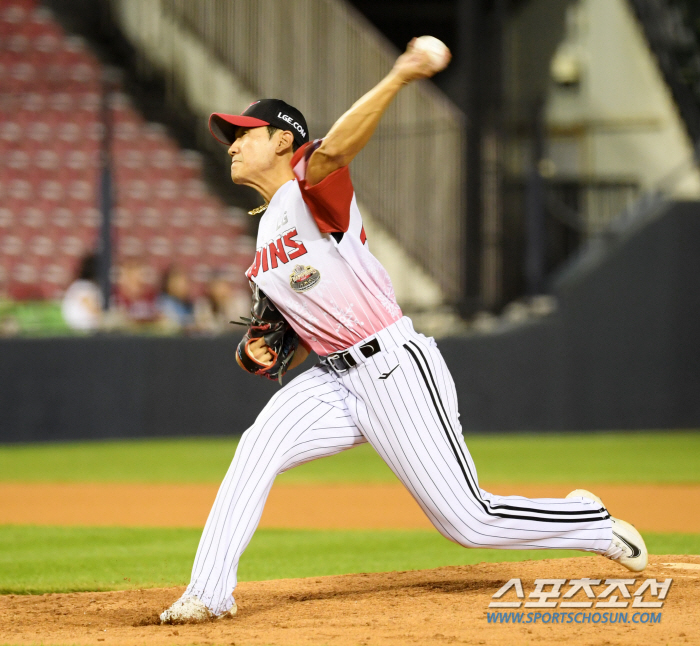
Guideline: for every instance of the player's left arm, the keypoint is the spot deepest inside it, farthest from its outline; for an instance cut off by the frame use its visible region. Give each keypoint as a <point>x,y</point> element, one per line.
<point>353,130</point>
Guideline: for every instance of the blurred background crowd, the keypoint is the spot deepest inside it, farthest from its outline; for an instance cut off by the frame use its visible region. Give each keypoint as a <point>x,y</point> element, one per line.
<point>169,306</point>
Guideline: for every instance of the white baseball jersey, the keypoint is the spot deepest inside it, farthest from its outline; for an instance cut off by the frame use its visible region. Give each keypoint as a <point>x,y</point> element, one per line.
<point>313,262</point>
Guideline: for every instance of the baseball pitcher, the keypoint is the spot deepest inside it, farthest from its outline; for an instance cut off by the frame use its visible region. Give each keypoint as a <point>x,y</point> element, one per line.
<point>316,286</point>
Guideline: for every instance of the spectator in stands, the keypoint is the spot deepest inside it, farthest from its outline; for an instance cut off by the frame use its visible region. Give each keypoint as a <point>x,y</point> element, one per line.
<point>134,299</point>
<point>175,300</point>
<point>82,302</point>
<point>220,305</point>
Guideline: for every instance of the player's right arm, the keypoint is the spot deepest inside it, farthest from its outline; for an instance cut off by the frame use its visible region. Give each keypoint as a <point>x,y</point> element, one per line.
<point>353,130</point>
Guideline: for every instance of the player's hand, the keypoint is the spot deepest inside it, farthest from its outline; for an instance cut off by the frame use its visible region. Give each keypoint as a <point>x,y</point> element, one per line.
<point>260,351</point>
<point>414,64</point>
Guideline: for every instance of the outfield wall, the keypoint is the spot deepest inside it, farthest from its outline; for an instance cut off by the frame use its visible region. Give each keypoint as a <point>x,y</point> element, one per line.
<point>622,352</point>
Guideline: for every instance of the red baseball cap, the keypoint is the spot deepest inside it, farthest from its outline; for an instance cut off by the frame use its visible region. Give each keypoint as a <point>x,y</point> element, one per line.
<point>266,112</point>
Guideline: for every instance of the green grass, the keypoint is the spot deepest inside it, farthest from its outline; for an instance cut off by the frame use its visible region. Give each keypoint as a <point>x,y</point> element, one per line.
<point>70,559</point>
<point>634,457</point>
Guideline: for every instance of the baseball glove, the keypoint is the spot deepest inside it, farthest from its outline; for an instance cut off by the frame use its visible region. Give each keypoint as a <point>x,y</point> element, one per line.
<point>267,322</point>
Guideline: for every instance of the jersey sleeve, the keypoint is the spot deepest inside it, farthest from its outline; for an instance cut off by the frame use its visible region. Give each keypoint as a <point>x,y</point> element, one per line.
<point>329,201</point>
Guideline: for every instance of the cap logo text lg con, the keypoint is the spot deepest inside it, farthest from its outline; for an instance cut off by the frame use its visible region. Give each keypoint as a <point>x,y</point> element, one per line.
<point>294,124</point>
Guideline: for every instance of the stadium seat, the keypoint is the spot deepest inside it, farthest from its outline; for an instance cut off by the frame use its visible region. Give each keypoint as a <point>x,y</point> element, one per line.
<point>12,245</point>
<point>159,246</point>
<point>7,220</point>
<point>54,277</point>
<point>41,246</point>
<point>130,245</point>
<point>179,219</point>
<point>74,246</point>
<point>51,133</point>
<point>32,218</point>
<point>24,281</point>
<point>61,220</point>
<point>89,218</point>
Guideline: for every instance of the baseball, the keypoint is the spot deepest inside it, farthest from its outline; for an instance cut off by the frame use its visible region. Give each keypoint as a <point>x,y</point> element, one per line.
<point>438,52</point>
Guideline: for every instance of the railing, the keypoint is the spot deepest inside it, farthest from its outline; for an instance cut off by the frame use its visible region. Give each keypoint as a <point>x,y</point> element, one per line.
<point>672,28</point>
<point>320,55</point>
<point>641,208</point>
<point>577,212</point>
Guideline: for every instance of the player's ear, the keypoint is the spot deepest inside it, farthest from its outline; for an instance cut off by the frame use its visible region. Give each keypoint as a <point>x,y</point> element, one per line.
<point>284,142</point>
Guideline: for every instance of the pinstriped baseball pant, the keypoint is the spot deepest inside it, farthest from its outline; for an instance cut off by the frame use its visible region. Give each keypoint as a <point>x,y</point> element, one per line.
<point>402,401</point>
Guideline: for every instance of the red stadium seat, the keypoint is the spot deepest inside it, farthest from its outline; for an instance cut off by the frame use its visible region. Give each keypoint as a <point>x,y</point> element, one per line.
<point>19,190</point>
<point>123,218</point>
<point>41,246</point>
<point>207,217</point>
<point>70,132</point>
<point>7,220</point>
<point>166,190</point>
<point>90,218</point>
<point>17,43</point>
<point>79,164</point>
<point>131,159</point>
<point>12,245</point>
<point>47,43</point>
<point>17,162</point>
<point>51,192</point>
<point>218,246</point>
<point>200,274</point>
<point>129,245</point>
<point>38,131</point>
<point>61,220</point>
<point>11,132</point>
<point>127,133</point>
<point>159,246</point>
<point>188,247</point>
<point>33,103</point>
<point>82,191</point>
<point>180,219</point>
<point>12,17</point>
<point>24,281</point>
<point>150,219</point>
<point>190,163</point>
<point>55,276</point>
<point>88,103</point>
<point>32,218</point>
<point>163,160</point>
<point>47,161</point>
<point>136,191</point>
<point>73,246</point>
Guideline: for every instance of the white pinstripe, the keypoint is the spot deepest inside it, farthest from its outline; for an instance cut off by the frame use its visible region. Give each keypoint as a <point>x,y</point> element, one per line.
<point>411,419</point>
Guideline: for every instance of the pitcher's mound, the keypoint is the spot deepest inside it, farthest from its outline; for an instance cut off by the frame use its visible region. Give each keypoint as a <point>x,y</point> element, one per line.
<point>442,606</point>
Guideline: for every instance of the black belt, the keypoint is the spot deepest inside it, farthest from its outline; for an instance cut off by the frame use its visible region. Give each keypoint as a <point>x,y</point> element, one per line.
<point>342,361</point>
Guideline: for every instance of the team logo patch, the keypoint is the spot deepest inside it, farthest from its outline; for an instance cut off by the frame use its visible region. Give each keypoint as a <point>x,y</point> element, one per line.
<point>302,279</point>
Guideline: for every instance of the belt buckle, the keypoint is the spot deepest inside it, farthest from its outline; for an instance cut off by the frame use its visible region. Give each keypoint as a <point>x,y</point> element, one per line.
<point>332,362</point>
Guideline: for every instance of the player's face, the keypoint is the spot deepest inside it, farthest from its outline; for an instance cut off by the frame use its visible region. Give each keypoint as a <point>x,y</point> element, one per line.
<point>252,155</point>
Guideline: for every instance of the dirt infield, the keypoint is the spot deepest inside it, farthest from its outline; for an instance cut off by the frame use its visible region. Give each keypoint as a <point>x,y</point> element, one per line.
<point>661,508</point>
<point>442,606</point>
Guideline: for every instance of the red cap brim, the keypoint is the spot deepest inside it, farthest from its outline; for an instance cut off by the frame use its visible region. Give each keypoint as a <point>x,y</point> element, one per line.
<point>223,126</point>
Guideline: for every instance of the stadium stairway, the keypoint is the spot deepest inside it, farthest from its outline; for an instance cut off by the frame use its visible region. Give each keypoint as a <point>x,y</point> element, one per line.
<point>50,137</point>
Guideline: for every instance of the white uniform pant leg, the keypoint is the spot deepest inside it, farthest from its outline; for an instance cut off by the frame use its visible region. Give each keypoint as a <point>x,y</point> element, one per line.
<point>406,406</point>
<point>306,419</point>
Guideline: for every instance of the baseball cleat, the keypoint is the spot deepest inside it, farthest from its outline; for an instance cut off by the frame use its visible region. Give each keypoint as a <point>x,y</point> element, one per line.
<point>627,546</point>
<point>191,610</point>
